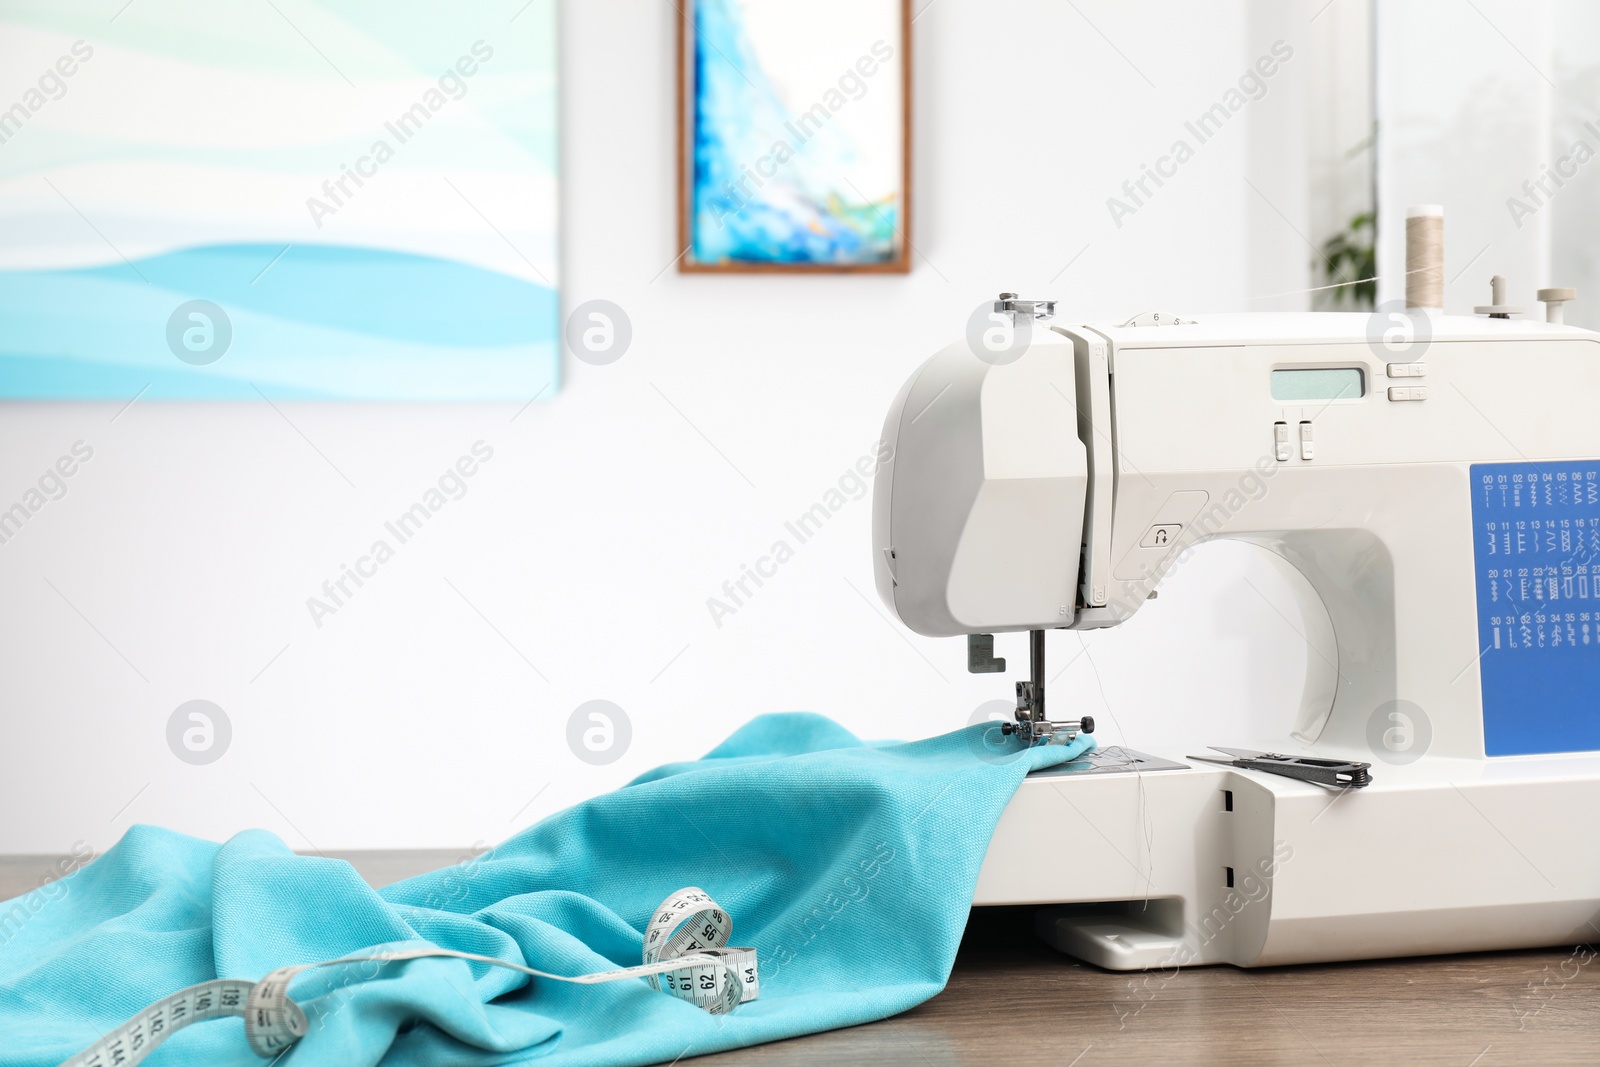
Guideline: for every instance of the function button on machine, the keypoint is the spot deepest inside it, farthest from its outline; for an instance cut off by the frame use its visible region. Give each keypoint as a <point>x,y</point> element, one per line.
<point>1408,392</point>
<point>1306,449</point>
<point>1161,536</point>
<point>1280,441</point>
<point>1407,370</point>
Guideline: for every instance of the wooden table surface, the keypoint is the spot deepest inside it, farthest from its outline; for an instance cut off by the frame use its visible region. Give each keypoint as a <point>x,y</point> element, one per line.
<point>1013,1001</point>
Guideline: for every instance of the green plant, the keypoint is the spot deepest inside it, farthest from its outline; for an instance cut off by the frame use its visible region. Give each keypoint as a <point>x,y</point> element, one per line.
<point>1351,257</point>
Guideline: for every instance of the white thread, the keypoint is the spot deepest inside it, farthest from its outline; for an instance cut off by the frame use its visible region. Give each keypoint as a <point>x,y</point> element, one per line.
<point>696,967</point>
<point>1336,285</point>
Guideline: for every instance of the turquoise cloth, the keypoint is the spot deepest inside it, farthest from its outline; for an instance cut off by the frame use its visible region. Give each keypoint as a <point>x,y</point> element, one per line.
<point>849,866</point>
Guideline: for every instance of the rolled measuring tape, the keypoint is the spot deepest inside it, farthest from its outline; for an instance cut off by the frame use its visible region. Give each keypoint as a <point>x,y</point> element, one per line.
<point>689,921</point>
<point>685,955</point>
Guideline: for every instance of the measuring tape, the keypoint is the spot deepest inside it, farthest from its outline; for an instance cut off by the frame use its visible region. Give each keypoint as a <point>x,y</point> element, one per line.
<point>690,921</point>
<point>685,955</point>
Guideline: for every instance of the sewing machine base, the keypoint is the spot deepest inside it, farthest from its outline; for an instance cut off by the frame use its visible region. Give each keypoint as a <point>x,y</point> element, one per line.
<point>1203,865</point>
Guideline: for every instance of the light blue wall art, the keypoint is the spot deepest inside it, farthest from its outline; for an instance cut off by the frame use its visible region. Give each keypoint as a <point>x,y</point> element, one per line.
<point>794,135</point>
<point>305,199</point>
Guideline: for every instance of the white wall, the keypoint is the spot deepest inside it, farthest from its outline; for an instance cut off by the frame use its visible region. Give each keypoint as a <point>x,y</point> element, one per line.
<point>1340,137</point>
<point>592,539</point>
<point>1463,101</point>
<point>1476,106</point>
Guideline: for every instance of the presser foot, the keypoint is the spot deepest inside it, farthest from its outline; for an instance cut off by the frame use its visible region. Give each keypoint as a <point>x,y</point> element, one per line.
<point>1031,725</point>
<point>1044,732</point>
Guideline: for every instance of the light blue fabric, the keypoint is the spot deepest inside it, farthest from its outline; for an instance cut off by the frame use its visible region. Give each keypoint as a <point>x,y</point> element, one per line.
<point>850,867</point>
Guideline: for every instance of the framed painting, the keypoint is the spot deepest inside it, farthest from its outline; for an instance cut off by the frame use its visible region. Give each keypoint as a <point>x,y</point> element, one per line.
<point>794,135</point>
<point>329,200</point>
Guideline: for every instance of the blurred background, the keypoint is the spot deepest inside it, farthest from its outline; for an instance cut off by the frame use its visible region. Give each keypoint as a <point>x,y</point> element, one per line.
<point>436,707</point>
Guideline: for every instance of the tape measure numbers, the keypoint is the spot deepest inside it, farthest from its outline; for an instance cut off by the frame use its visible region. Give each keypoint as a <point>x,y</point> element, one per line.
<point>689,921</point>
<point>685,955</point>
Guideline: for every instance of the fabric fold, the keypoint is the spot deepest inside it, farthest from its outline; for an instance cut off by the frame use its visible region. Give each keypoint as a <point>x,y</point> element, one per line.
<point>849,866</point>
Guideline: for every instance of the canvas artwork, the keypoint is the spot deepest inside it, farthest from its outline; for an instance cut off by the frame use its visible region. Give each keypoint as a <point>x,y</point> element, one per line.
<point>323,199</point>
<point>794,135</point>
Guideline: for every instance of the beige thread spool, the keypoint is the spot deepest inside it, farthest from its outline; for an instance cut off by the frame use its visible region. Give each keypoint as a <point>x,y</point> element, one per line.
<point>1425,256</point>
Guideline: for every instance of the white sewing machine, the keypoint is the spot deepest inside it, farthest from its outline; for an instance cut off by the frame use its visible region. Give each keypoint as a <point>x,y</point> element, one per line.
<point>1437,507</point>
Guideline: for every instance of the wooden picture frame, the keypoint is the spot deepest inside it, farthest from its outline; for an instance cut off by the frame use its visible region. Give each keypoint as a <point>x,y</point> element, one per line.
<point>899,223</point>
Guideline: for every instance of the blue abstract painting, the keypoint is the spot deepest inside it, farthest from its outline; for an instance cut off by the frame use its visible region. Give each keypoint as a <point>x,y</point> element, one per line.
<point>342,200</point>
<point>795,135</point>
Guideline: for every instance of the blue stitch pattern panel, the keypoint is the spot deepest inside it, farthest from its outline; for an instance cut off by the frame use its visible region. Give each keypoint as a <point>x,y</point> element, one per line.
<point>1536,535</point>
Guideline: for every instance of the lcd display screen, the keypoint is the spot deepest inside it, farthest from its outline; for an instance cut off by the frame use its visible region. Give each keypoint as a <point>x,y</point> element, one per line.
<point>1318,383</point>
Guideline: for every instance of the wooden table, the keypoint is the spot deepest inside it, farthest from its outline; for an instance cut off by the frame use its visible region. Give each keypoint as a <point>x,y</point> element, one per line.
<point>1013,1001</point>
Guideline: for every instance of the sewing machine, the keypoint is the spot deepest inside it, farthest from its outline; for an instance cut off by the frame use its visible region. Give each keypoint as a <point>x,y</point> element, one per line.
<point>1429,485</point>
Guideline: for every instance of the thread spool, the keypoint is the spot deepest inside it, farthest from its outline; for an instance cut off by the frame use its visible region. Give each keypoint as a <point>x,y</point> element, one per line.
<point>1425,256</point>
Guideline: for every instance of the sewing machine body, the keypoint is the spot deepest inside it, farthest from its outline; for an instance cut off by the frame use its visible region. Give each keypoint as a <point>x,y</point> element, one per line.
<point>1439,544</point>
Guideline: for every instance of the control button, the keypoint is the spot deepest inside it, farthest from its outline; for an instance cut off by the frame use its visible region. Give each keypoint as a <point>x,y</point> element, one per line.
<point>1161,536</point>
<point>1408,370</point>
<point>1306,451</point>
<point>1280,440</point>
<point>1408,392</point>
